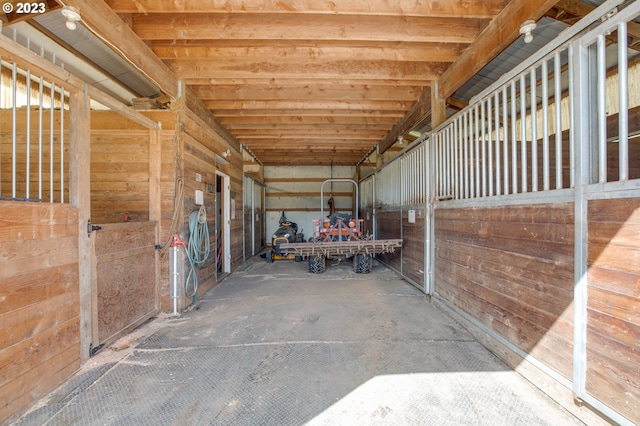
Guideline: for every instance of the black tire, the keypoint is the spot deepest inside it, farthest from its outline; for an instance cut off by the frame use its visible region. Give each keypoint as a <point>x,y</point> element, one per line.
<point>361,263</point>
<point>269,256</point>
<point>316,264</point>
<point>298,258</point>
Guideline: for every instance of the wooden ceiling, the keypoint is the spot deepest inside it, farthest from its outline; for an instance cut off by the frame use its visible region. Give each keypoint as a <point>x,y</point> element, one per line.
<point>322,82</point>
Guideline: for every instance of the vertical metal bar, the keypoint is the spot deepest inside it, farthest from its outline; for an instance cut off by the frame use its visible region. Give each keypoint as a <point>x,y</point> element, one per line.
<point>534,131</point>
<point>40,131</point>
<point>483,156</point>
<point>602,108</point>
<point>469,156</point>
<point>572,139</point>
<point>476,157</point>
<point>62,145</point>
<point>544,81</point>
<point>523,133</point>
<point>578,57</point>
<point>490,145</point>
<point>456,166</point>
<point>558,115</point>
<point>623,120</point>
<point>1,105</point>
<point>514,139</point>
<point>465,146</point>
<point>497,118</point>
<point>28,137</point>
<point>14,94</point>
<point>505,138</point>
<point>51,142</point>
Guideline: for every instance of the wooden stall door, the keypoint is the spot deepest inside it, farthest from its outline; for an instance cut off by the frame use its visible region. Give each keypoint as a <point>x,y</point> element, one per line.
<point>125,265</point>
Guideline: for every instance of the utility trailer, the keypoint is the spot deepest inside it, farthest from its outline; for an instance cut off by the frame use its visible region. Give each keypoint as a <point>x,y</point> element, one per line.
<point>339,236</point>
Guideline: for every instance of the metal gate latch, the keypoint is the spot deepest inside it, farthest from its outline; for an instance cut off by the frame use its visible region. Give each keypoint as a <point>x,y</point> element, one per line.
<point>91,228</point>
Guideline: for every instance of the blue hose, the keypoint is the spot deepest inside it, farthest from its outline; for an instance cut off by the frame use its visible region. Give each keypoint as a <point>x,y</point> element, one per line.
<point>198,249</point>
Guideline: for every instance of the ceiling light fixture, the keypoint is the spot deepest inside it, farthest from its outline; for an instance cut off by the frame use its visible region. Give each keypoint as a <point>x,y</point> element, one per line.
<point>72,15</point>
<point>526,28</point>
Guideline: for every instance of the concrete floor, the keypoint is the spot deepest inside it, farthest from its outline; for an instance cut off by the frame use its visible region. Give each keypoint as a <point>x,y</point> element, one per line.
<point>275,345</point>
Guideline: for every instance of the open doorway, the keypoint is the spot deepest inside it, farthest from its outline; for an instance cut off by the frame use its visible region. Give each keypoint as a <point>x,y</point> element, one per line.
<point>223,225</point>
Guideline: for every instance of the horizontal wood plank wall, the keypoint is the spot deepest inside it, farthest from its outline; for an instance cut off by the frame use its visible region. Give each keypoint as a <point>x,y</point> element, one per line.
<point>511,268</point>
<point>388,226</point>
<point>39,313</point>
<point>296,191</point>
<point>119,169</point>
<point>613,305</point>
<point>126,281</point>
<point>413,247</point>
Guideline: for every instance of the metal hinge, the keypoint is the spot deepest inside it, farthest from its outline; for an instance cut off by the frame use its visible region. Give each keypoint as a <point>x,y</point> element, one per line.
<point>91,228</point>
<point>93,350</point>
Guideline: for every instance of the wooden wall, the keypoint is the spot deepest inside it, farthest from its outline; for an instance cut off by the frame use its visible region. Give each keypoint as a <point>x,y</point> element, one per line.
<point>613,304</point>
<point>388,225</point>
<point>511,268</point>
<point>119,169</point>
<point>413,247</point>
<point>296,191</point>
<point>125,271</point>
<point>39,313</point>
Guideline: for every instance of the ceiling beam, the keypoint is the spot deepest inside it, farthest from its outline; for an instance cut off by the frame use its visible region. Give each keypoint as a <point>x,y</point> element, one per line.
<point>303,27</point>
<point>436,8</point>
<point>415,115</point>
<point>497,36</point>
<point>194,70</point>
<point>296,51</point>
<point>318,91</point>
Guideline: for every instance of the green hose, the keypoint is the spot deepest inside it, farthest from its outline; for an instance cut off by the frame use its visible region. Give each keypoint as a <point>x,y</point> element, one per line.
<point>198,249</point>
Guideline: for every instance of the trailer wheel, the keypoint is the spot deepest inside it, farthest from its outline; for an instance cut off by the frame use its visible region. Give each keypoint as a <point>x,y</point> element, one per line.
<point>361,263</point>
<point>269,256</point>
<point>316,264</point>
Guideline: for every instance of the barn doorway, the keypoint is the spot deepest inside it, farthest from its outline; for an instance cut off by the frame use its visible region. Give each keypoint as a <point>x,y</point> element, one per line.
<point>223,225</point>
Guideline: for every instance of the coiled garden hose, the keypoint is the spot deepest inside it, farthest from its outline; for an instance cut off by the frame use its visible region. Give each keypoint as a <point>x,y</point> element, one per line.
<point>198,249</point>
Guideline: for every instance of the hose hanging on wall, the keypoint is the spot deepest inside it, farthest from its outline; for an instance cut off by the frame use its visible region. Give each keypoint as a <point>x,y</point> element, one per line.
<point>198,249</point>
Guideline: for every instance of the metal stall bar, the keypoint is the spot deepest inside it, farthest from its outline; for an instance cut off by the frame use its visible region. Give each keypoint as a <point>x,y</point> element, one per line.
<point>478,157</point>
<point>514,139</point>
<point>623,117</point>
<point>602,108</point>
<point>558,117</point>
<point>484,148</point>
<point>523,133</point>
<point>28,137</point>
<point>505,138</point>
<point>534,130</point>
<point>14,101</point>
<point>497,129</point>
<point>62,145</point>
<point>490,145</point>
<point>544,81</point>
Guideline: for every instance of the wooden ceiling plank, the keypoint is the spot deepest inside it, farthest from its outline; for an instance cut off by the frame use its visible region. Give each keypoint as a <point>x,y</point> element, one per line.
<point>319,120</point>
<point>305,81</point>
<point>319,69</point>
<point>306,27</point>
<point>319,91</point>
<point>309,104</point>
<point>369,113</point>
<point>437,8</point>
<point>500,33</point>
<point>388,51</point>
